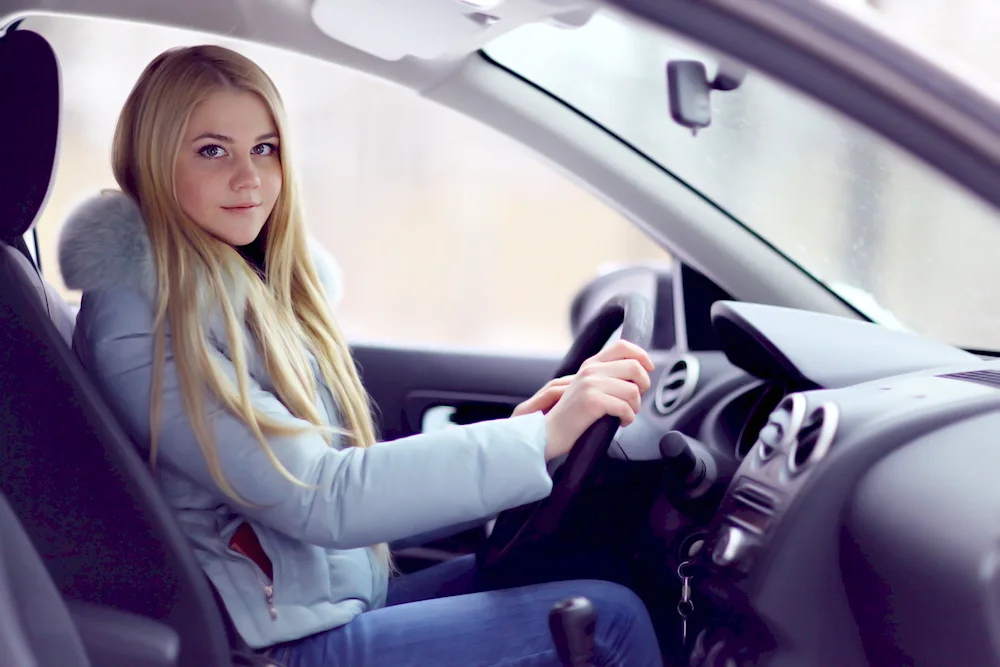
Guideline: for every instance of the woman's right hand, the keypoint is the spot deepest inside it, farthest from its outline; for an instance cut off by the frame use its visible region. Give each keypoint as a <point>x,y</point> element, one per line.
<point>611,382</point>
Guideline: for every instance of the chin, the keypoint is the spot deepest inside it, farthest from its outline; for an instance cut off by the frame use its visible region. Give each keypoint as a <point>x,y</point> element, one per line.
<point>240,237</point>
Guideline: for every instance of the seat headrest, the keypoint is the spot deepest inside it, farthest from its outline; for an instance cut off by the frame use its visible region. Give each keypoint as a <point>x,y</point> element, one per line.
<point>29,115</point>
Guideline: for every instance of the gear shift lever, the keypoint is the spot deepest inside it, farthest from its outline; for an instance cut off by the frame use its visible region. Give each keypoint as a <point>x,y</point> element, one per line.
<point>572,623</point>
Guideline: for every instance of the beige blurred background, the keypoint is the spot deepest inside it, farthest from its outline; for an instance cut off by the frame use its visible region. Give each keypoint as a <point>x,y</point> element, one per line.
<point>448,234</point>
<point>451,235</point>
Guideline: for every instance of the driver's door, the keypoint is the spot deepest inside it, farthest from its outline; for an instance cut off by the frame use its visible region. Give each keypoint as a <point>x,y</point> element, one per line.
<point>421,390</point>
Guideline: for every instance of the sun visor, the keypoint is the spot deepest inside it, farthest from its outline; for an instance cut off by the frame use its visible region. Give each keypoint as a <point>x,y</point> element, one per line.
<point>429,29</point>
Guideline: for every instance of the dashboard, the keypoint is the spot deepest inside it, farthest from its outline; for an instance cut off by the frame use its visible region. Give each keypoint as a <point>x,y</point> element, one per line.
<point>847,510</point>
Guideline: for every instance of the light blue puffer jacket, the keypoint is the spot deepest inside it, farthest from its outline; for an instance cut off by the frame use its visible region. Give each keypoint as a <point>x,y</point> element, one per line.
<point>317,539</point>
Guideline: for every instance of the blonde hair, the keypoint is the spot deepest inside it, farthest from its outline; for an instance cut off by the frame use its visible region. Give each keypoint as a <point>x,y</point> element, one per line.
<point>287,314</point>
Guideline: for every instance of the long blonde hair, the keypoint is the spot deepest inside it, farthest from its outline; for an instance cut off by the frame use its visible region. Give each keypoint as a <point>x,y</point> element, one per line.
<point>287,314</point>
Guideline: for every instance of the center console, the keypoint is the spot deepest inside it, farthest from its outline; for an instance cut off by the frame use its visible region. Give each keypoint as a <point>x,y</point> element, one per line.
<point>792,441</point>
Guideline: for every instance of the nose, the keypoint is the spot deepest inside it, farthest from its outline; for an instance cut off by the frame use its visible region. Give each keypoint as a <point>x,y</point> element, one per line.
<point>245,175</point>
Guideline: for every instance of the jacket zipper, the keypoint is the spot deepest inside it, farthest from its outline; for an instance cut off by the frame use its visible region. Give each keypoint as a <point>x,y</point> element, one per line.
<point>268,587</point>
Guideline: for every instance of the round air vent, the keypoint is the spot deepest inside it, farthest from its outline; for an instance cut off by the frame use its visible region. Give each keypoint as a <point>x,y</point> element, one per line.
<point>782,425</point>
<point>758,418</point>
<point>676,384</point>
<point>814,438</point>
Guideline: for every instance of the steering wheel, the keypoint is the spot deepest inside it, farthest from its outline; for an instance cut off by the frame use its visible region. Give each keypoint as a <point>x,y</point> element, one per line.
<point>520,531</point>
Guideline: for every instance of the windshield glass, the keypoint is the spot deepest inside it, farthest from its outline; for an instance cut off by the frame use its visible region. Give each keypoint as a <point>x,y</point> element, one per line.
<point>896,239</point>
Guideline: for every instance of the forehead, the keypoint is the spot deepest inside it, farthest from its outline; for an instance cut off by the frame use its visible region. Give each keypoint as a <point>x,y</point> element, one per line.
<point>236,114</point>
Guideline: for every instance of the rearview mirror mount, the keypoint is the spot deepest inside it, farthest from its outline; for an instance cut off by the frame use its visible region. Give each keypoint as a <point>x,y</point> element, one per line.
<point>689,90</point>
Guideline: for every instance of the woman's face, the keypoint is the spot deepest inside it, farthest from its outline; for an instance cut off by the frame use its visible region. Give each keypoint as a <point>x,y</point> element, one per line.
<point>228,171</point>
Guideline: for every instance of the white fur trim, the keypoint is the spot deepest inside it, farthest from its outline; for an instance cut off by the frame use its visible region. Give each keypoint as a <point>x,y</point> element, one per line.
<point>105,243</point>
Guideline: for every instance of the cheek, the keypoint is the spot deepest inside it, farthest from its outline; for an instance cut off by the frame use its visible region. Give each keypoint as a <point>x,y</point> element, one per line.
<point>271,180</point>
<point>189,185</point>
<point>195,188</point>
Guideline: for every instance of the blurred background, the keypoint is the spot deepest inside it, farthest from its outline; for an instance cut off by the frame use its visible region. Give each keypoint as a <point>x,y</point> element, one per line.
<point>450,235</point>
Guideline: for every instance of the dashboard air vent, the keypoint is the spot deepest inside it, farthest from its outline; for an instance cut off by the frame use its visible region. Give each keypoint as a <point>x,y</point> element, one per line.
<point>991,378</point>
<point>813,440</point>
<point>677,384</point>
<point>756,498</point>
<point>781,426</point>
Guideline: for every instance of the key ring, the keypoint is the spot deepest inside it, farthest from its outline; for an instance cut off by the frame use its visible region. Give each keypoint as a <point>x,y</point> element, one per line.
<point>685,608</point>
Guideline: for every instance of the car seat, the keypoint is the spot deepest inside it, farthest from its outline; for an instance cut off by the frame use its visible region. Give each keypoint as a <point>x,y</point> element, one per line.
<point>70,473</point>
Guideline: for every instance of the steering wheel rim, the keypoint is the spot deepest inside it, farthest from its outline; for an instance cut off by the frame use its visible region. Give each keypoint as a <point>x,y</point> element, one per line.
<point>522,530</point>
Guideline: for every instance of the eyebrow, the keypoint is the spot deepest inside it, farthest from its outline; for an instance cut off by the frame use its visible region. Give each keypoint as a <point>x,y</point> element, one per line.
<point>222,137</point>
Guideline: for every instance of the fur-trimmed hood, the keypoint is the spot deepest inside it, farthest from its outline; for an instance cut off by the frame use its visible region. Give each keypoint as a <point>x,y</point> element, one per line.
<point>104,243</point>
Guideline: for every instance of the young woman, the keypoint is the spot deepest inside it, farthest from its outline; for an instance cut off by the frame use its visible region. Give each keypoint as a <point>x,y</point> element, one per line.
<point>205,320</point>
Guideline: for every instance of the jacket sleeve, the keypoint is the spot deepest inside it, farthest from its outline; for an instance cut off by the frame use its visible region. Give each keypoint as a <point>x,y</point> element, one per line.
<point>357,497</point>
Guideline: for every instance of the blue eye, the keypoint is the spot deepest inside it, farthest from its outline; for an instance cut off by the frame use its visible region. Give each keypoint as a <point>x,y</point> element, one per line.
<point>264,150</point>
<point>212,151</point>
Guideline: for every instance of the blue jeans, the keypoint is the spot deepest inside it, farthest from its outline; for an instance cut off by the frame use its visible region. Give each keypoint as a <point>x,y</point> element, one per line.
<point>434,617</point>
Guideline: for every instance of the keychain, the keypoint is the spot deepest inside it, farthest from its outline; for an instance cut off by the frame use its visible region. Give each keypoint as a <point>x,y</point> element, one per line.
<point>685,607</point>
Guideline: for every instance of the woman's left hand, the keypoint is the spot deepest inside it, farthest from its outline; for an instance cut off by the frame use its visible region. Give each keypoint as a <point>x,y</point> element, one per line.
<point>544,398</point>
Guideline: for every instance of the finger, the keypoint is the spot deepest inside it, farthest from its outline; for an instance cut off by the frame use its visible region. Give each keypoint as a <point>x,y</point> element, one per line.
<point>620,349</point>
<point>550,395</point>
<point>553,396</point>
<point>623,349</point>
<point>560,381</point>
<point>623,390</point>
<point>616,407</point>
<point>563,381</point>
<point>543,400</point>
<point>624,369</point>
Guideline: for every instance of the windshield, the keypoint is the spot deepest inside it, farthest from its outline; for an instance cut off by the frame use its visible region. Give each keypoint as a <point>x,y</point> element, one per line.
<point>894,238</point>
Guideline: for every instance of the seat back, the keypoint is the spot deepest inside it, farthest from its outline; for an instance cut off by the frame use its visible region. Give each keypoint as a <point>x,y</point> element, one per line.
<point>35,625</point>
<point>72,476</point>
<point>28,67</point>
<point>52,302</point>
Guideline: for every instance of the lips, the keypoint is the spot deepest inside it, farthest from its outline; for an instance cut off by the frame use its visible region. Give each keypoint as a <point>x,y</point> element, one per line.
<point>241,207</point>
